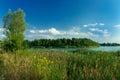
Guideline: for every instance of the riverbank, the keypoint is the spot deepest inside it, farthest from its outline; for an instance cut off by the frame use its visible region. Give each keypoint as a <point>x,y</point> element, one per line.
<point>60,65</point>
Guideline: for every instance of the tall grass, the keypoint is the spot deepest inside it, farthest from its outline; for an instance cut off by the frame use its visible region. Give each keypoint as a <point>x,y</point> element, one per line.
<point>59,65</point>
<point>100,66</point>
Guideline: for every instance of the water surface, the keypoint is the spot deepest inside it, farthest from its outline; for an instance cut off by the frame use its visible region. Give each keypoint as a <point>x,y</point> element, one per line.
<point>101,48</point>
<point>66,49</point>
<point>106,48</point>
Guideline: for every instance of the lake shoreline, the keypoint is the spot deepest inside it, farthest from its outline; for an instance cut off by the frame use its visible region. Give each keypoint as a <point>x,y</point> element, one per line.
<point>100,48</point>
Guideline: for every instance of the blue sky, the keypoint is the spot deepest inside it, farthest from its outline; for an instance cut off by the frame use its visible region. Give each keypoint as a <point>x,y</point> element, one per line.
<point>98,20</point>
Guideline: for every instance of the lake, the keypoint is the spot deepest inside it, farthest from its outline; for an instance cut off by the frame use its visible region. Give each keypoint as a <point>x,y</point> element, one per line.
<point>101,48</point>
<point>106,48</point>
<point>66,49</point>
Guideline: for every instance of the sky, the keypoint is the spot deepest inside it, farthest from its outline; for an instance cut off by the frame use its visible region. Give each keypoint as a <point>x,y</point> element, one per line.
<point>98,20</point>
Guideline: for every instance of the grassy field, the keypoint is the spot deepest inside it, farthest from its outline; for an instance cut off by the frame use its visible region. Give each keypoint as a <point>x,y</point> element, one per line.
<point>60,65</point>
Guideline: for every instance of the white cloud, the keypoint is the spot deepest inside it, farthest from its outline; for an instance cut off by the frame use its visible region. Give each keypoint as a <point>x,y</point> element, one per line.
<point>32,31</point>
<point>85,25</point>
<point>96,29</point>
<point>104,32</point>
<point>101,24</point>
<point>90,25</point>
<point>73,31</point>
<point>54,31</point>
<point>2,29</point>
<point>1,33</point>
<point>117,26</point>
<point>93,24</point>
<point>42,31</point>
<point>93,33</point>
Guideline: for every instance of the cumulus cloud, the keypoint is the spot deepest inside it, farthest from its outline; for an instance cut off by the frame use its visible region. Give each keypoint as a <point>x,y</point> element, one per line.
<point>94,33</point>
<point>54,33</point>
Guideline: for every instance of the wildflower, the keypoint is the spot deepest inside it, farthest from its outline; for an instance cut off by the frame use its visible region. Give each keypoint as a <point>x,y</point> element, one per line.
<point>34,57</point>
<point>44,58</point>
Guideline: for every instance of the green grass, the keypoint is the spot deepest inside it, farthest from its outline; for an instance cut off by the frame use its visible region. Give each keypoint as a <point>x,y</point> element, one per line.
<point>60,65</point>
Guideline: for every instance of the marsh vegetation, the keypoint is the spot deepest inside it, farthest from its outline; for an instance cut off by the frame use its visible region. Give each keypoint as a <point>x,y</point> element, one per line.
<point>60,65</point>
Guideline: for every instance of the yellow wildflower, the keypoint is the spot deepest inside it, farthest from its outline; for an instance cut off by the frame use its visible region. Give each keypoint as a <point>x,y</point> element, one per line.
<point>44,58</point>
<point>34,57</point>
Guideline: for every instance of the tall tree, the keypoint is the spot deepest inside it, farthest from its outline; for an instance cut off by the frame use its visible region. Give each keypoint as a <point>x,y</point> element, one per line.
<point>14,28</point>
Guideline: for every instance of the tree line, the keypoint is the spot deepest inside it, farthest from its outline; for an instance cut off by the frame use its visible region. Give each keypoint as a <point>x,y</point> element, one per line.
<point>109,44</point>
<point>60,43</point>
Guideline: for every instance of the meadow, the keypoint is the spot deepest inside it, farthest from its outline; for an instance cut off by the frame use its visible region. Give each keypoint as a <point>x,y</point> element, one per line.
<point>60,65</point>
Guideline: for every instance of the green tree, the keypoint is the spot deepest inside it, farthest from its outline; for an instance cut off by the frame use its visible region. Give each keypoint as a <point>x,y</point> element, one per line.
<point>14,28</point>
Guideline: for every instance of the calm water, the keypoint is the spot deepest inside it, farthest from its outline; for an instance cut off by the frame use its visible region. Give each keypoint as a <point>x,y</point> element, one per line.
<point>106,48</point>
<point>101,48</point>
<point>66,49</point>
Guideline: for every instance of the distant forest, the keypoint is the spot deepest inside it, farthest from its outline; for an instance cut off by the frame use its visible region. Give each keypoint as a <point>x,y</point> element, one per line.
<point>60,43</point>
<point>64,43</point>
<point>110,44</point>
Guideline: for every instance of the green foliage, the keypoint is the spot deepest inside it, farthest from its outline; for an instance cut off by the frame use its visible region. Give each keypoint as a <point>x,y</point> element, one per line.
<point>63,43</point>
<point>26,44</point>
<point>14,28</point>
<point>93,66</point>
<point>60,65</point>
<point>110,44</point>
